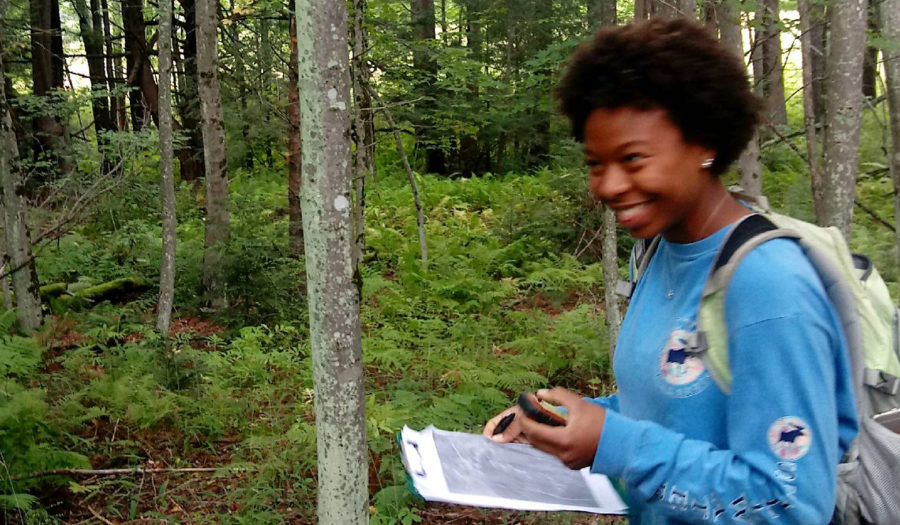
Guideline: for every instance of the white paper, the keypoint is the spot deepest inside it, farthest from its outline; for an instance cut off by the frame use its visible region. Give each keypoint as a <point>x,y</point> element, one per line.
<point>471,469</point>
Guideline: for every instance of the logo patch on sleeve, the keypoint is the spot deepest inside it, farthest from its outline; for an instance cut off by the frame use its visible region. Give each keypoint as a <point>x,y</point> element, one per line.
<point>790,438</point>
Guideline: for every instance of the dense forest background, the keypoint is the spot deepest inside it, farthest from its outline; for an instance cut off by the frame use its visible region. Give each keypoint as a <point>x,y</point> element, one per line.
<point>157,343</point>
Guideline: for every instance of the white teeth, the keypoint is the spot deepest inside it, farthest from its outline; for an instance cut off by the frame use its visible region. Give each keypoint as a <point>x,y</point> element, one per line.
<point>627,213</point>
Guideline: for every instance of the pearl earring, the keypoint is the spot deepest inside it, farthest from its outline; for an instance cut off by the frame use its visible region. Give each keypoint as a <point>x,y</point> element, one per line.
<point>708,163</point>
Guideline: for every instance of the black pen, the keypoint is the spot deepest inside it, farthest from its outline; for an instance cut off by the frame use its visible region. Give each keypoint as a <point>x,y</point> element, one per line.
<point>504,423</point>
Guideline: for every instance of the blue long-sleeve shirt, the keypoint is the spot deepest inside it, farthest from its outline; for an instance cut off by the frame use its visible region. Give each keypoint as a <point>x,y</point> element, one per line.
<point>766,453</point>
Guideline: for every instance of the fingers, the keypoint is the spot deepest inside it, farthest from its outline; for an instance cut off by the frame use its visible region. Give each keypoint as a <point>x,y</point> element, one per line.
<point>512,433</point>
<point>560,397</point>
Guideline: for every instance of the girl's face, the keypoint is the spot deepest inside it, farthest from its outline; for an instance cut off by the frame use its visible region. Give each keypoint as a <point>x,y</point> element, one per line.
<point>641,167</point>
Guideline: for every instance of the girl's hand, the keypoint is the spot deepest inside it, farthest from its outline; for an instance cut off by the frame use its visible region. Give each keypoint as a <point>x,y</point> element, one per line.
<point>575,444</point>
<point>512,433</point>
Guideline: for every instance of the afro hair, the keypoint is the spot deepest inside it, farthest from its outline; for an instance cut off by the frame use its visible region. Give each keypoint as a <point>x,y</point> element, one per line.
<point>675,65</point>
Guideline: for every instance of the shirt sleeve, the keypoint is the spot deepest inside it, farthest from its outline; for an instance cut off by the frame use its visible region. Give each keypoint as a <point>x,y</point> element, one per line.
<point>789,392</point>
<point>608,402</point>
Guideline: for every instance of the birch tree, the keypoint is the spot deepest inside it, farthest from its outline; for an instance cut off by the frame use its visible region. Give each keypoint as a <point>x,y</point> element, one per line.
<point>889,21</point>
<point>843,104</point>
<point>326,198</point>
<point>166,168</point>
<point>217,218</point>
<point>19,259</point>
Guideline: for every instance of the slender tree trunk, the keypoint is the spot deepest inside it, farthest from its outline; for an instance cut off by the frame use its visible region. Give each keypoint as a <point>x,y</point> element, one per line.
<point>90,23</point>
<point>728,20</point>
<point>843,103</point>
<point>18,243</point>
<point>113,73</point>
<point>294,160</point>
<point>166,170</point>
<point>807,49</point>
<point>424,62</point>
<point>192,160</point>
<point>333,295</point>
<point>363,121</point>
<point>749,167</point>
<point>676,8</point>
<point>47,75</point>
<point>217,218</point>
<point>642,9</point>
<point>602,13</point>
<point>773,79</point>
<point>870,58</point>
<point>890,30</point>
<point>610,258</point>
<point>818,24</point>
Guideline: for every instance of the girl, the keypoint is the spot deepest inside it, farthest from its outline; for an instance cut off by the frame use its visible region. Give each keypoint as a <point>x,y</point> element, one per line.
<point>663,110</point>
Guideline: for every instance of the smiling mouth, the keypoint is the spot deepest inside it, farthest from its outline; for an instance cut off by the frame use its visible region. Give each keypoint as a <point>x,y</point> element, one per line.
<point>625,215</point>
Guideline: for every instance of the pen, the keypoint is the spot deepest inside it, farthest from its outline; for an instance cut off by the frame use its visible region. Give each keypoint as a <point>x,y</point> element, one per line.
<point>501,426</point>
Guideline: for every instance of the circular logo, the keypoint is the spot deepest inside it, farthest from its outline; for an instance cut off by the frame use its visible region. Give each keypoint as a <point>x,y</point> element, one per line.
<point>676,365</point>
<point>789,438</point>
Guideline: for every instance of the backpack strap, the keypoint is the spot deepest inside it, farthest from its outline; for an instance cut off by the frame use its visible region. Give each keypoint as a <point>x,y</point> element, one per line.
<point>710,340</point>
<point>641,254</point>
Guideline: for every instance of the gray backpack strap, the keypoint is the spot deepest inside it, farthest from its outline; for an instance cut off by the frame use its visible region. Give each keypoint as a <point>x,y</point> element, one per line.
<point>641,254</point>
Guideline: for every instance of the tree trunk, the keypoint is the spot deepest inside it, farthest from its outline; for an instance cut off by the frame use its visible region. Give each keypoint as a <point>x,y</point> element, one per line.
<point>602,13</point>
<point>90,23</point>
<point>807,49</point>
<point>728,20</point>
<point>294,160</point>
<point>47,75</point>
<point>363,117</point>
<point>113,73</point>
<point>676,8</point>
<point>870,59</point>
<point>423,61</point>
<point>192,160</point>
<point>145,99</point>
<point>773,78</point>
<point>18,243</point>
<point>610,260</point>
<point>642,9</point>
<point>166,171</point>
<point>217,218</point>
<point>890,31</point>
<point>333,297</point>
<point>843,103</point>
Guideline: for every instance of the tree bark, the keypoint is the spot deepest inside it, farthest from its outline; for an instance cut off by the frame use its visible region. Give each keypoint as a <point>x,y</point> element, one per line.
<point>18,242</point>
<point>363,117</point>
<point>217,218</point>
<point>807,50</point>
<point>676,8</point>
<point>870,58</point>
<point>843,103</point>
<point>294,160</point>
<point>192,159</point>
<point>91,25</point>
<point>333,296</point>
<point>890,30</point>
<point>642,9</point>
<point>47,76</point>
<point>772,73</point>
<point>166,171</point>
<point>602,13</point>
<point>113,73</point>
<point>423,23</point>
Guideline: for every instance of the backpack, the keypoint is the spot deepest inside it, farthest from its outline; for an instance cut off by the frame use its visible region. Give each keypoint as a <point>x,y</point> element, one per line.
<point>869,474</point>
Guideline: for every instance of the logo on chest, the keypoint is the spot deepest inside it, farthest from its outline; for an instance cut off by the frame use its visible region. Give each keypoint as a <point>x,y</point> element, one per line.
<point>681,374</point>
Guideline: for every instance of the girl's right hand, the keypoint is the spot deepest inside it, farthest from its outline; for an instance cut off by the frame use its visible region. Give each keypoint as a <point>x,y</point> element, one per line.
<point>513,433</point>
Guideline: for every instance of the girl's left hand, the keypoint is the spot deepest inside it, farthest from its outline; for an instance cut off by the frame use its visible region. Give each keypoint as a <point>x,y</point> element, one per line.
<point>575,444</point>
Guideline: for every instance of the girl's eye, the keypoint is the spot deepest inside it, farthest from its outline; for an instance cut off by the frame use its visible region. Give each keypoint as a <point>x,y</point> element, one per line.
<point>593,163</point>
<point>632,157</point>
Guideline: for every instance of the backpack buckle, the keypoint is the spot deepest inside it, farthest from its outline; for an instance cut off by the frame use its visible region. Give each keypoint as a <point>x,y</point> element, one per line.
<point>882,382</point>
<point>625,288</point>
<point>696,342</point>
